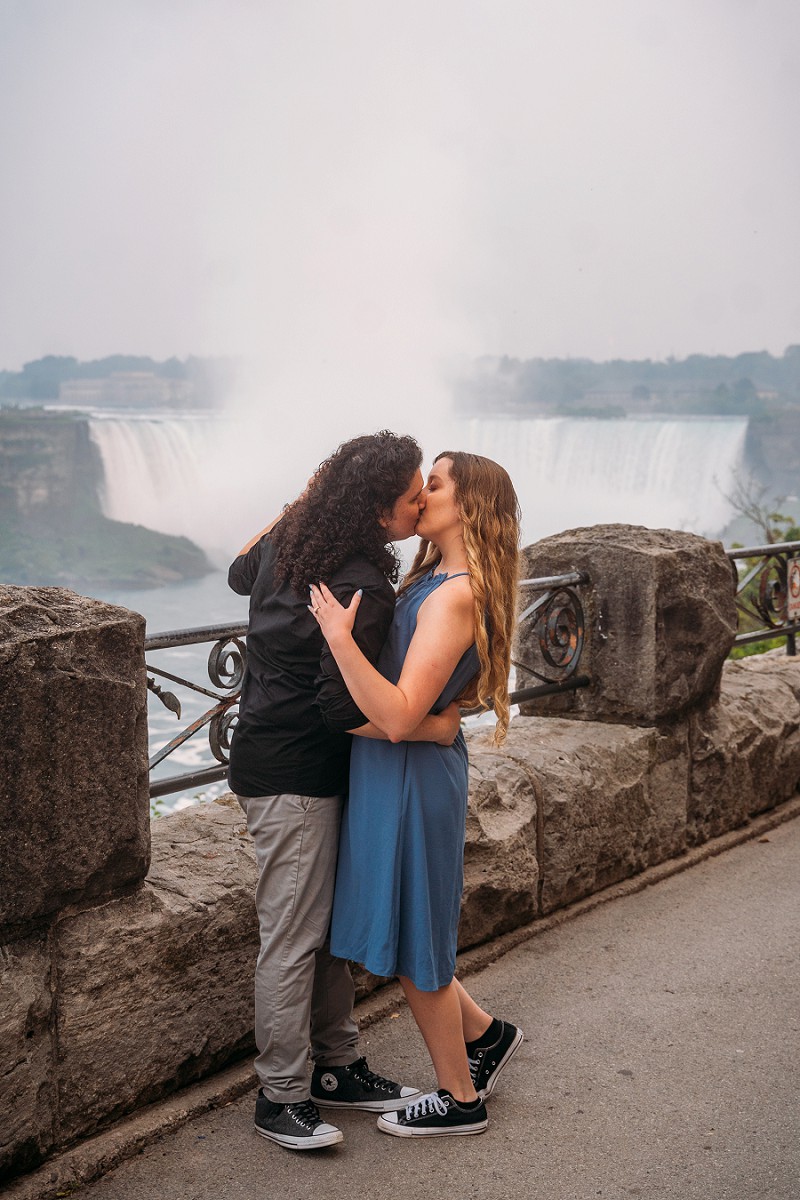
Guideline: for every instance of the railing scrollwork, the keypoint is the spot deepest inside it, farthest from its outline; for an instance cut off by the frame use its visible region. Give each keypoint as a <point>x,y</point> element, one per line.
<point>226,666</point>
<point>551,638</point>
<point>557,616</point>
<point>553,622</point>
<point>762,592</point>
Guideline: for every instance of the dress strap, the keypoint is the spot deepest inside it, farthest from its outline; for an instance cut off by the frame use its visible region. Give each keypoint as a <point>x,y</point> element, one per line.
<point>455,575</point>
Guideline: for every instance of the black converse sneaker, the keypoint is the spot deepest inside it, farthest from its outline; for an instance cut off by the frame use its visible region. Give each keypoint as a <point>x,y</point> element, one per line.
<point>487,1061</point>
<point>435,1115</point>
<point>355,1086</point>
<point>298,1126</point>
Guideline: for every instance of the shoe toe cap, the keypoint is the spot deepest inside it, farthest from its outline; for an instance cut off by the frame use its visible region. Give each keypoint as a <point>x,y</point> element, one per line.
<point>408,1092</point>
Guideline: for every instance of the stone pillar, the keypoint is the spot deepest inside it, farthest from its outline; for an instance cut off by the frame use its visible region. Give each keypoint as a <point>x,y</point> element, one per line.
<point>660,620</point>
<point>73,751</point>
<point>74,819</point>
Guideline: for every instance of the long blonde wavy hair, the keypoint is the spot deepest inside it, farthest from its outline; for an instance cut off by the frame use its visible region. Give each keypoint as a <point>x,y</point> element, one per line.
<point>490,518</point>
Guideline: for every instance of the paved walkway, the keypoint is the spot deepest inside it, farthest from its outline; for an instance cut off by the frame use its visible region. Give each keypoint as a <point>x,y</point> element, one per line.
<point>662,1061</point>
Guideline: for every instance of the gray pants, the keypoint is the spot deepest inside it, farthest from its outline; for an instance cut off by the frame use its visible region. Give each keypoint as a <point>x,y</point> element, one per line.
<point>303,994</point>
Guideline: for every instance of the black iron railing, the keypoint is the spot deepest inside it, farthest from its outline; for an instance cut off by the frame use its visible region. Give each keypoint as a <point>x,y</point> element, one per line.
<point>553,627</point>
<point>552,623</point>
<point>226,664</point>
<point>768,592</point>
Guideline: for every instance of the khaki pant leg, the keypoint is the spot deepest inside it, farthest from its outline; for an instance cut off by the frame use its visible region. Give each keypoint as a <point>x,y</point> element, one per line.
<point>334,1033</point>
<point>296,841</point>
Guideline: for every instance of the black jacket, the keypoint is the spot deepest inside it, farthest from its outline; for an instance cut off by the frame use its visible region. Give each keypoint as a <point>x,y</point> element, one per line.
<point>295,709</point>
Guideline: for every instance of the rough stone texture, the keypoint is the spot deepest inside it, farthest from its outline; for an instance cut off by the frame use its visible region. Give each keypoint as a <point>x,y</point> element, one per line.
<point>746,747</point>
<point>660,620</point>
<point>156,989</point>
<point>74,808</point>
<point>501,872</point>
<point>613,800</point>
<point>26,1093</point>
<point>48,464</point>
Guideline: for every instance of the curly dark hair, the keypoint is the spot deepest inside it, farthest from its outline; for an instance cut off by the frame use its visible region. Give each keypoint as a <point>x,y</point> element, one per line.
<point>339,512</point>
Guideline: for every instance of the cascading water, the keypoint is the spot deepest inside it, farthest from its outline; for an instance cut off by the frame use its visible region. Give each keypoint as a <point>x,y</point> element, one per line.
<point>659,472</point>
<point>169,472</point>
<point>166,472</point>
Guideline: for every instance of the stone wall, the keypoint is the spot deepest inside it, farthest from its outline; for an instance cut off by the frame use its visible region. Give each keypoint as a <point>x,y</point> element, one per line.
<point>119,984</point>
<point>74,829</point>
<point>660,620</point>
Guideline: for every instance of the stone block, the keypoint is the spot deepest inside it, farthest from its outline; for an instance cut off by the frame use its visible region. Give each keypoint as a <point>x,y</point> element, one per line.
<point>501,872</point>
<point>26,1066</point>
<point>74,807</point>
<point>746,747</point>
<point>660,620</point>
<point>156,989</point>
<point>613,800</point>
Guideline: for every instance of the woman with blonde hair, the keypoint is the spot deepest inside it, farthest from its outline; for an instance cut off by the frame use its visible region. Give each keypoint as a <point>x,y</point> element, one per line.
<point>400,872</point>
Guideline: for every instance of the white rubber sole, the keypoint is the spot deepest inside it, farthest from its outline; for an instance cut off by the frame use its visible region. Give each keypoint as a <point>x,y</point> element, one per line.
<point>373,1106</point>
<point>314,1141</point>
<point>484,1093</point>
<point>396,1130</point>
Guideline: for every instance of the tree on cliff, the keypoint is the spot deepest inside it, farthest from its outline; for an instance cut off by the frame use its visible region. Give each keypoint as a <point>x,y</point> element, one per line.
<point>749,498</point>
<point>763,598</point>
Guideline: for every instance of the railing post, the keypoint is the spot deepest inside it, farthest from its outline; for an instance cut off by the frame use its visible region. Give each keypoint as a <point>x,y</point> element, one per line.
<point>660,621</point>
<point>74,828</point>
<point>767,592</point>
<point>73,760</point>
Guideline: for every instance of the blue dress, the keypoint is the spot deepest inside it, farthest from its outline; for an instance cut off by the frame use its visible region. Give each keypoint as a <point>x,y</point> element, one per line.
<point>401,849</point>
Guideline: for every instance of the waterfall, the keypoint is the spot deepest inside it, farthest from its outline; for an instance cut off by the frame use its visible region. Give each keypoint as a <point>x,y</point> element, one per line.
<point>655,471</point>
<point>165,472</point>
<point>181,473</point>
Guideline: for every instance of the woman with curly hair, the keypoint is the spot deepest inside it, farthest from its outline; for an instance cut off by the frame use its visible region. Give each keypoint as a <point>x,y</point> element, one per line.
<point>289,768</point>
<point>400,874</point>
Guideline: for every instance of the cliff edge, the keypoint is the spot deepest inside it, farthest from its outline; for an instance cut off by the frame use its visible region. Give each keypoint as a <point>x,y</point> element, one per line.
<point>52,530</point>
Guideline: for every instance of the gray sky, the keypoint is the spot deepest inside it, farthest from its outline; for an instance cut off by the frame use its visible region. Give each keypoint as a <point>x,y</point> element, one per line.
<point>366,186</point>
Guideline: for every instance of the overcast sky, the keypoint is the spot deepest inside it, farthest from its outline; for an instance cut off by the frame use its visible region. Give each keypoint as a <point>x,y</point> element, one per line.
<point>397,181</point>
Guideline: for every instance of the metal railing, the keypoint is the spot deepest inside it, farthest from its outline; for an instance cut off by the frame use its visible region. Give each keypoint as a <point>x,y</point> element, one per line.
<point>552,627</point>
<point>767,590</point>
<point>226,664</point>
<point>553,624</point>
<point>558,630</point>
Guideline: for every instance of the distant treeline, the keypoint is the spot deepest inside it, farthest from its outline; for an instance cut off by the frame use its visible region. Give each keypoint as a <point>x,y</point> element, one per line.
<point>206,380</point>
<point>750,384</point>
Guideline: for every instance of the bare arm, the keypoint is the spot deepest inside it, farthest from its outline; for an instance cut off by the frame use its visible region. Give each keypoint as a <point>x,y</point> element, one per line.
<point>268,528</point>
<point>436,727</point>
<point>444,631</point>
<point>259,536</point>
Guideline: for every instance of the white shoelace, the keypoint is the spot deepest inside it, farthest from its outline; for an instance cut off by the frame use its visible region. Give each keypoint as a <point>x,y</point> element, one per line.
<point>474,1063</point>
<point>306,1113</point>
<point>426,1105</point>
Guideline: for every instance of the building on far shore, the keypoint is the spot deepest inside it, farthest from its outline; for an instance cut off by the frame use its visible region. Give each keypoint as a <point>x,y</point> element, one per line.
<point>127,389</point>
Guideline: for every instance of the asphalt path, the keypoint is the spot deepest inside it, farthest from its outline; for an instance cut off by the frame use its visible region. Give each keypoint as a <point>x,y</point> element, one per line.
<point>662,1060</point>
